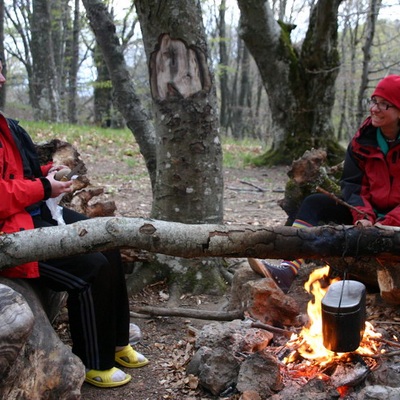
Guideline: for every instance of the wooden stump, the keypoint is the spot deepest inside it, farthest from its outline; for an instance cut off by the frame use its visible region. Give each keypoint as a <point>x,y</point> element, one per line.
<point>306,173</point>
<point>34,363</point>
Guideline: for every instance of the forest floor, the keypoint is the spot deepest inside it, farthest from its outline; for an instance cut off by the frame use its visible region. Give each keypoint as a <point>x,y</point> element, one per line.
<point>251,197</point>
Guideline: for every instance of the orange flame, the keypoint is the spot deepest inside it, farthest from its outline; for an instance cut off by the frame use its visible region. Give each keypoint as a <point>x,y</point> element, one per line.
<point>309,342</point>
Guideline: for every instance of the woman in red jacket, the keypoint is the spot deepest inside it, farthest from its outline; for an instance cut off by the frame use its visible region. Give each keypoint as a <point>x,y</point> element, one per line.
<point>98,306</point>
<point>370,181</point>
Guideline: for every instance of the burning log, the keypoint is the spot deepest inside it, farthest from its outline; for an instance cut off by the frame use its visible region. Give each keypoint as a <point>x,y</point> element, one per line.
<point>350,373</point>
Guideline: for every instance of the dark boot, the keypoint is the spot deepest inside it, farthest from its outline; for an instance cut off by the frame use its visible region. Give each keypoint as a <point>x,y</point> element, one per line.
<point>282,275</point>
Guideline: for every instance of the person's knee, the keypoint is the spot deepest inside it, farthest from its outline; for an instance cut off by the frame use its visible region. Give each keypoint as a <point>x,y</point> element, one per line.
<point>312,208</point>
<point>95,265</point>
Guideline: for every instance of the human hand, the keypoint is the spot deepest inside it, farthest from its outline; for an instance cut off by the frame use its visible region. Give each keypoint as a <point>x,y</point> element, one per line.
<point>58,187</point>
<point>364,223</point>
<point>57,167</point>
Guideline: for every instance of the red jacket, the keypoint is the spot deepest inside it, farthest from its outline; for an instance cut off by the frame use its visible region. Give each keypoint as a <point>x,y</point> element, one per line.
<point>19,187</point>
<point>371,178</point>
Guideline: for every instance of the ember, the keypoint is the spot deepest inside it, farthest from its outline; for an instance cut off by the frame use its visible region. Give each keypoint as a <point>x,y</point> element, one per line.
<point>309,342</point>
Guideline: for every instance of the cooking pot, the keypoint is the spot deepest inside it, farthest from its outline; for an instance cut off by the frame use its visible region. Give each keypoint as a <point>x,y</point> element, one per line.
<point>343,316</point>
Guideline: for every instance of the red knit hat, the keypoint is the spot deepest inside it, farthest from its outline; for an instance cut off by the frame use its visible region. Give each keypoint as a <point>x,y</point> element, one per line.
<point>389,89</point>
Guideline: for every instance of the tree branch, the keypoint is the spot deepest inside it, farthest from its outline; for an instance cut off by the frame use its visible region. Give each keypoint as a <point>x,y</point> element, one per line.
<point>207,315</point>
<point>189,313</point>
<point>198,240</point>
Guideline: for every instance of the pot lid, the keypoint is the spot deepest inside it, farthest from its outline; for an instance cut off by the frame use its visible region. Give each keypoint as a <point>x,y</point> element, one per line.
<point>344,296</point>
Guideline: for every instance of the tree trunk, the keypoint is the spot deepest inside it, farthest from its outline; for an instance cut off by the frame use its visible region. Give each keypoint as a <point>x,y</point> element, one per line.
<point>189,157</point>
<point>200,240</point>
<point>241,115</point>
<point>223,66</point>
<point>127,101</point>
<point>25,330</point>
<point>72,53</point>
<point>102,91</point>
<point>2,54</point>
<point>363,252</point>
<point>189,184</point>
<point>373,13</point>
<point>47,100</point>
<point>233,104</point>
<point>301,100</point>
<point>184,156</point>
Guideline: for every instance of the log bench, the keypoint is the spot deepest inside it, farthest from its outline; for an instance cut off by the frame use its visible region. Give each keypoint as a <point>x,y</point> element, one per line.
<point>34,362</point>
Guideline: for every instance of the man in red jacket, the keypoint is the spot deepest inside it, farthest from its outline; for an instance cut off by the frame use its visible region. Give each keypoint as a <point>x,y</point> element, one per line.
<point>370,181</point>
<point>98,305</point>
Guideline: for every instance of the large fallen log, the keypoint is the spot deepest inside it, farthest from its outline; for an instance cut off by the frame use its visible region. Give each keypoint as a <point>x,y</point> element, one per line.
<point>200,240</point>
<point>373,254</point>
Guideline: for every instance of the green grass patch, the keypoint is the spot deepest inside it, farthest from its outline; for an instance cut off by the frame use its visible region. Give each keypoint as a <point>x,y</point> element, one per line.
<point>120,143</point>
<point>97,141</point>
<point>84,135</point>
<point>238,154</point>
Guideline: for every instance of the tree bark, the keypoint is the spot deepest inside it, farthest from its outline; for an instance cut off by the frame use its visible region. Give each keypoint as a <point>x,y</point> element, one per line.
<point>241,120</point>
<point>103,91</point>
<point>189,179</point>
<point>371,254</point>
<point>46,95</point>
<point>128,103</point>
<point>28,343</point>
<point>224,63</point>
<point>190,313</point>
<point>302,99</point>
<point>72,52</point>
<point>200,240</point>
<point>3,92</point>
<point>184,154</point>
<point>189,185</point>
<point>369,34</point>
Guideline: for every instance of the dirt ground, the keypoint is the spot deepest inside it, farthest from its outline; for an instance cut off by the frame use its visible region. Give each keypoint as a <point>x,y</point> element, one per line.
<point>251,197</point>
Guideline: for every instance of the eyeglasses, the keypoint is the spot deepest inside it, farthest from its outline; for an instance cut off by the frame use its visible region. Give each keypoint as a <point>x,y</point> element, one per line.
<point>381,105</point>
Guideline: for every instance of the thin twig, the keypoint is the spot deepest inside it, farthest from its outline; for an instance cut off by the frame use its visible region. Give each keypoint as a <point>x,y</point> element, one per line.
<point>340,201</point>
<point>389,342</point>
<point>380,355</point>
<point>241,190</point>
<point>270,328</point>
<point>260,189</point>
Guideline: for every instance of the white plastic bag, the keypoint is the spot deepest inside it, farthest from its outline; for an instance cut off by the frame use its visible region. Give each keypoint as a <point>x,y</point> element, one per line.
<point>135,334</point>
<point>56,209</point>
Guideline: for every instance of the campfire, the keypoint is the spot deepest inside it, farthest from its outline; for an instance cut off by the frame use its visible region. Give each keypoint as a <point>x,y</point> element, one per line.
<point>294,359</point>
<point>309,342</point>
<point>308,357</point>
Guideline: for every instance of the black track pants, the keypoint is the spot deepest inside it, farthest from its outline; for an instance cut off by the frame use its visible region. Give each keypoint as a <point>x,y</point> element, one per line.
<point>320,209</point>
<point>98,305</point>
